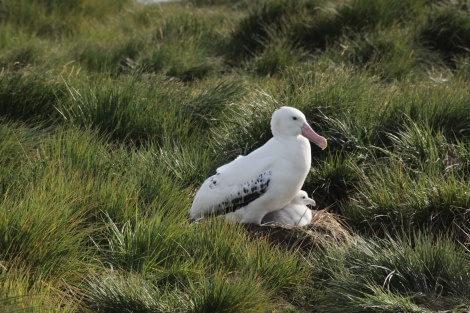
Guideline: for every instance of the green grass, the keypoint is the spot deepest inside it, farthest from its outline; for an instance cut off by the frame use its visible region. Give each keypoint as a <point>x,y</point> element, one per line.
<point>113,113</point>
<point>415,273</point>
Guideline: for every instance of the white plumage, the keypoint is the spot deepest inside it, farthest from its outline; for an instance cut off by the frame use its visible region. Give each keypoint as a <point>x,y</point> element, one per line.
<point>295,213</point>
<point>265,180</point>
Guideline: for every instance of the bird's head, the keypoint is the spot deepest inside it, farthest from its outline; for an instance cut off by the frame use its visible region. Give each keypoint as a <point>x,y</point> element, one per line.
<point>288,121</point>
<point>303,198</point>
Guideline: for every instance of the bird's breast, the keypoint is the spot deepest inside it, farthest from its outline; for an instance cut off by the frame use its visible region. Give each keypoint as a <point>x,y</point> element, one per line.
<point>297,153</point>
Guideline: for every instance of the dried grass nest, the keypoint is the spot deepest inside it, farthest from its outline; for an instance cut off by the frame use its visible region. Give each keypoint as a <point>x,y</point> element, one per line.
<point>325,226</point>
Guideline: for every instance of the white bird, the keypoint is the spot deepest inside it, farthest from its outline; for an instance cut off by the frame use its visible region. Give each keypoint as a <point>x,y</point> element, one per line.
<point>265,180</point>
<point>295,213</point>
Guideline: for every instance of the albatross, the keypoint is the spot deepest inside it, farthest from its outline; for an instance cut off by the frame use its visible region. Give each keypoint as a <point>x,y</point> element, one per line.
<point>267,179</point>
<point>295,213</point>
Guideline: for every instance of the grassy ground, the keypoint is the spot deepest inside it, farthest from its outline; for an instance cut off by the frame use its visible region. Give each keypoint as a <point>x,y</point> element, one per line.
<point>112,113</point>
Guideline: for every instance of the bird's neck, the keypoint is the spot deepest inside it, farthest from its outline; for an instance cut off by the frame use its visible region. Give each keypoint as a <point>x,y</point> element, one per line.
<point>299,146</point>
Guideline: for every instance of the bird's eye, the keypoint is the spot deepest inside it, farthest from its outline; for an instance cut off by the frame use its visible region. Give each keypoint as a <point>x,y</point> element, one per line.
<point>294,118</point>
<point>303,197</point>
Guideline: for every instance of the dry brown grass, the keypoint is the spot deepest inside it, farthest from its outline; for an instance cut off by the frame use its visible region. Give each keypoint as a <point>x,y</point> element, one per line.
<point>324,226</point>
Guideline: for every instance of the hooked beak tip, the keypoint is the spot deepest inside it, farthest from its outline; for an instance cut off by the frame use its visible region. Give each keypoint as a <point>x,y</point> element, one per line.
<point>311,135</point>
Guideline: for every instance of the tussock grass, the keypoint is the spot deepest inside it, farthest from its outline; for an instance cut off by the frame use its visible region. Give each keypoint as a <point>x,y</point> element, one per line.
<point>333,181</point>
<point>447,30</point>
<point>113,113</point>
<point>113,109</point>
<point>52,19</point>
<point>415,200</point>
<point>226,294</point>
<point>28,94</point>
<point>279,271</point>
<point>126,292</point>
<point>426,186</point>
<point>22,293</point>
<point>370,275</point>
<point>140,247</point>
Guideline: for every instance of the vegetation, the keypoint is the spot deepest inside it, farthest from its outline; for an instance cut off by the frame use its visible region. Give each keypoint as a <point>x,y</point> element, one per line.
<point>112,113</point>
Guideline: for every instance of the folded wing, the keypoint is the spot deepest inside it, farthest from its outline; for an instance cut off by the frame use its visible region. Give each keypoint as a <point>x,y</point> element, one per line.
<point>235,185</point>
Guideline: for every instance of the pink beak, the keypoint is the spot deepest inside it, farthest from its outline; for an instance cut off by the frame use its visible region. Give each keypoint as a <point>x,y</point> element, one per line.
<point>311,135</point>
<point>310,201</point>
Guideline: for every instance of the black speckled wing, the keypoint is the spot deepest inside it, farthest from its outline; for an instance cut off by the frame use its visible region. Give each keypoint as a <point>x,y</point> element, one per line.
<point>247,192</point>
<point>216,198</point>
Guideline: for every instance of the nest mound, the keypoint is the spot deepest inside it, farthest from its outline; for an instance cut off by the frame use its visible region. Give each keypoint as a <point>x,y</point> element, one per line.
<point>324,226</point>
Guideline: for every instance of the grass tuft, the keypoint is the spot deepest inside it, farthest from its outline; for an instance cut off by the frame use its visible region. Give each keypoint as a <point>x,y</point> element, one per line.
<point>28,94</point>
<point>126,292</point>
<point>372,274</point>
<point>447,30</point>
<point>232,294</point>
